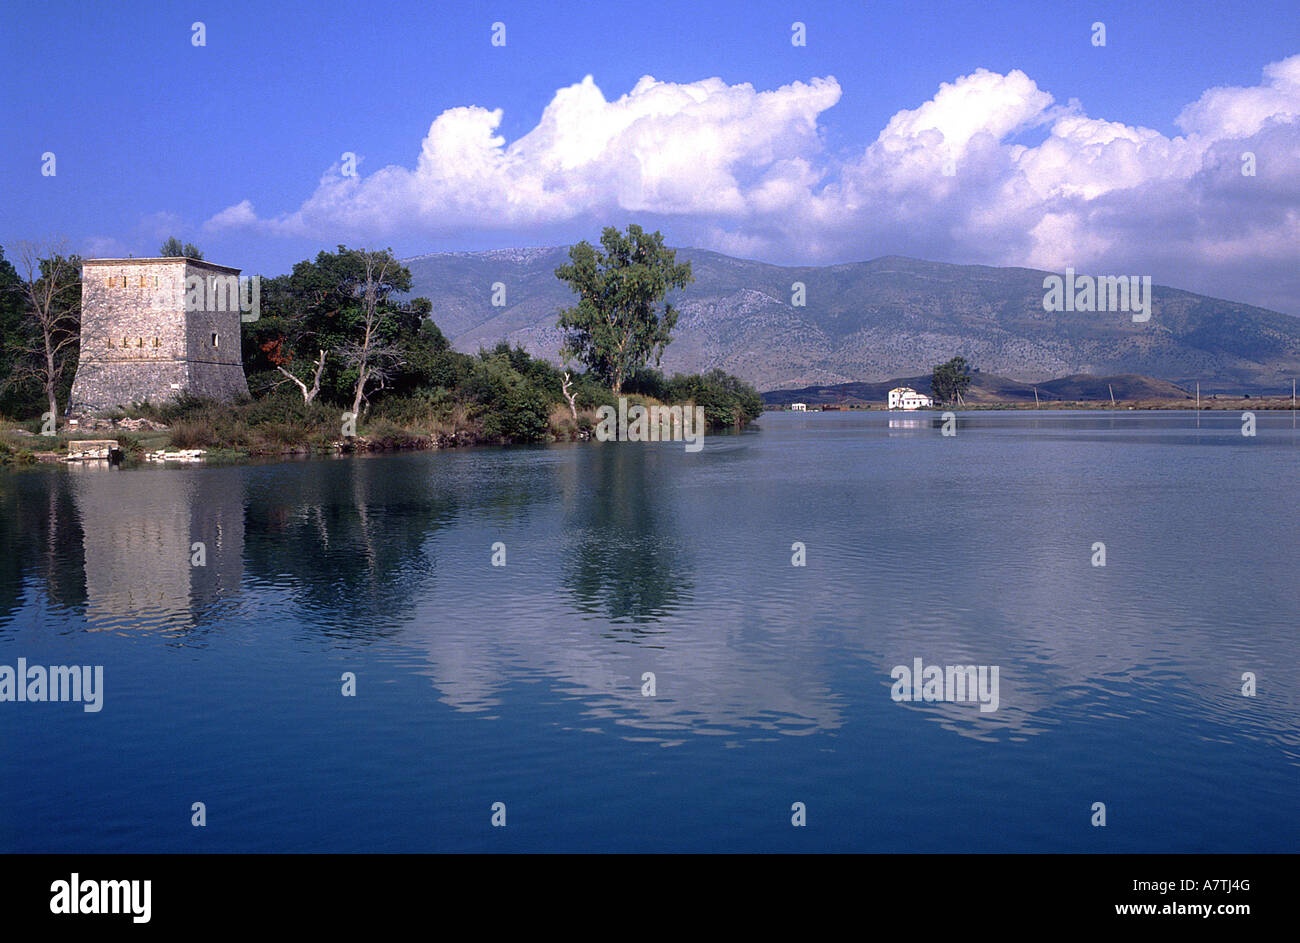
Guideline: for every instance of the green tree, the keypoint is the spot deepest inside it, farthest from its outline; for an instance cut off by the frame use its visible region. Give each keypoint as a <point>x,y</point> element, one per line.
<point>19,393</point>
<point>617,325</point>
<point>173,248</point>
<point>341,303</point>
<point>951,380</point>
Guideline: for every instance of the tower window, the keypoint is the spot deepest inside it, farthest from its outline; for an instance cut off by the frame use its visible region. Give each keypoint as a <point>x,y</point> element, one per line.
<point>214,339</point>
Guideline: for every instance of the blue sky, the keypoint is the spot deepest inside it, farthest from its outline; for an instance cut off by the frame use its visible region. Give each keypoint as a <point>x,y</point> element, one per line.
<point>228,145</point>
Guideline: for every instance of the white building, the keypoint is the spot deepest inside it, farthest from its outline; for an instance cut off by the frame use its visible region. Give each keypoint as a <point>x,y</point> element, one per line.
<point>904,397</point>
<point>798,407</point>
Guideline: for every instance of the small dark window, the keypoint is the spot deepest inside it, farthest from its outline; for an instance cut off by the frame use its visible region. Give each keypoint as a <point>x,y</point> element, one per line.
<point>214,339</point>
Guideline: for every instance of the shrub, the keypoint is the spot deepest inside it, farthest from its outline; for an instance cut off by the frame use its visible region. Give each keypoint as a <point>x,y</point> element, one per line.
<point>727,400</point>
<point>413,410</point>
<point>383,434</point>
<point>129,444</point>
<point>15,456</point>
<point>647,382</point>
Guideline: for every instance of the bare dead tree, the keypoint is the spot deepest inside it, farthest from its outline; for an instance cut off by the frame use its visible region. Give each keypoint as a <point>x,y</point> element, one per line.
<point>308,394</point>
<point>565,388</point>
<point>51,291</point>
<point>376,362</point>
<point>373,358</point>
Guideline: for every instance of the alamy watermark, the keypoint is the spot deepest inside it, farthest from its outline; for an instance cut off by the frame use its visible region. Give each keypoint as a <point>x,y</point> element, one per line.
<point>80,896</point>
<point>37,683</point>
<point>651,424</point>
<point>953,683</point>
<point>1099,293</point>
<point>242,293</point>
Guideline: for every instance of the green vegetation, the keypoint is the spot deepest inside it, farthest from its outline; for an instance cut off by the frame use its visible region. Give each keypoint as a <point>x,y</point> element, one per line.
<point>616,326</point>
<point>174,248</point>
<point>727,400</point>
<point>40,322</point>
<point>12,455</point>
<point>341,358</point>
<point>18,394</point>
<point>950,381</point>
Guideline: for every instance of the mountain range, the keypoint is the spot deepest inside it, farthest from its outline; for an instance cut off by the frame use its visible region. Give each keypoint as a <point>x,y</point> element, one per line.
<point>872,321</point>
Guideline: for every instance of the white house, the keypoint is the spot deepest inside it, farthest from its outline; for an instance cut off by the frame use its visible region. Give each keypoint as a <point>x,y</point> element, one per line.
<point>904,397</point>
<point>798,407</point>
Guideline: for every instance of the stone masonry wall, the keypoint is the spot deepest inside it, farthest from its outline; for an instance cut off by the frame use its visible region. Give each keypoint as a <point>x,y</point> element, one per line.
<point>215,370</point>
<point>139,343</point>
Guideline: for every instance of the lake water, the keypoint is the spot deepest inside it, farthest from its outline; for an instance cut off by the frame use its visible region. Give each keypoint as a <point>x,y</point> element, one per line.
<point>522,684</point>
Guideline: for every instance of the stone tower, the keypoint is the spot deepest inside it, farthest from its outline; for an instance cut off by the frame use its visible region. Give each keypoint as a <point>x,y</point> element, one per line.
<point>152,329</point>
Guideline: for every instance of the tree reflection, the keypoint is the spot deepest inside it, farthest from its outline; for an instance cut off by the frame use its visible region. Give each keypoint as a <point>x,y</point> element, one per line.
<point>348,537</point>
<point>625,560</point>
<point>40,539</point>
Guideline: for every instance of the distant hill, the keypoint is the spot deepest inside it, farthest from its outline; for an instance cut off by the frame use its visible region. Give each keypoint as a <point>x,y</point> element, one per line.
<point>989,388</point>
<point>870,321</point>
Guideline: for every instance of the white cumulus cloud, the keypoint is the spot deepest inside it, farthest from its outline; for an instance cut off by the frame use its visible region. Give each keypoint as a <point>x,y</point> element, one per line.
<point>744,170</point>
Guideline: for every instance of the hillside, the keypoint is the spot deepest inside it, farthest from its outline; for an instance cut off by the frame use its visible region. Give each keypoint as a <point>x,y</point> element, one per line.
<point>870,321</point>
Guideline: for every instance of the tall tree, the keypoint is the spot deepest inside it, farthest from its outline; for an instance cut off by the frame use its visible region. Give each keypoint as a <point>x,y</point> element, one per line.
<point>617,326</point>
<point>51,290</point>
<point>16,393</point>
<point>951,380</point>
<point>173,248</point>
<point>374,354</point>
<point>369,338</point>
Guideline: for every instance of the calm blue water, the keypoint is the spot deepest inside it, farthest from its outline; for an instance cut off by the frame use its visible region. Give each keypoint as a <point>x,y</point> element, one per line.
<point>522,684</point>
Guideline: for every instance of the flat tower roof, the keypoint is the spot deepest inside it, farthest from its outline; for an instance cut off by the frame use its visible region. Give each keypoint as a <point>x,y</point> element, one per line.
<point>166,258</point>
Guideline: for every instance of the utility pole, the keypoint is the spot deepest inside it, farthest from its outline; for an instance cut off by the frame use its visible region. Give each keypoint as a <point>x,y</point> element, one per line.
<point>1112,395</point>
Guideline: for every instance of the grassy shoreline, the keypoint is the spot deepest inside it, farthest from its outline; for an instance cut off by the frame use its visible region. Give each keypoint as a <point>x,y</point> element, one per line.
<point>285,427</point>
<point>251,430</point>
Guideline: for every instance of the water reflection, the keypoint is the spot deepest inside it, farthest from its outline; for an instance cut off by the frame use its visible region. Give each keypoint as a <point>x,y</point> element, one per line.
<point>627,559</point>
<point>909,424</point>
<point>162,548</point>
<point>40,543</point>
<point>623,557</point>
<point>344,541</point>
<point>601,590</point>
